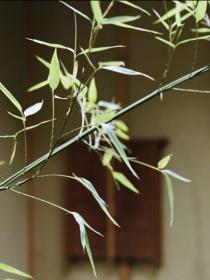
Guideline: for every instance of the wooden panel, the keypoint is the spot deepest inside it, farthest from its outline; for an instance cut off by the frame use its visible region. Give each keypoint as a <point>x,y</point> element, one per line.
<point>139,239</point>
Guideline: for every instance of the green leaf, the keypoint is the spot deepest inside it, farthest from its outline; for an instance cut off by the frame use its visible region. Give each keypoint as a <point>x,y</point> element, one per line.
<point>104,117</point>
<point>164,23</point>
<point>111,63</point>
<point>170,14</point>
<point>119,19</point>
<point>193,39</point>
<point>200,10</point>
<point>16,116</point>
<point>165,42</point>
<point>124,25</point>
<point>164,161</point>
<point>38,86</point>
<point>96,9</point>
<point>122,134</point>
<point>14,148</point>
<point>9,95</point>
<point>92,92</point>
<point>89,253</point>
<point>203,30</point>
<point>126,71</point>
<point>176,176</point>
<point>132,5</point>
<point>121,125</point>
<point>51,45</point>
<point>75,10</point>
<point>107,157</point>
<point>43,61</point>
<point>118,146</point>
<point>54,72</point>
<point>10,269</point>
<point>122,179</point>
<point>170,197</point>
<point>100,49</point>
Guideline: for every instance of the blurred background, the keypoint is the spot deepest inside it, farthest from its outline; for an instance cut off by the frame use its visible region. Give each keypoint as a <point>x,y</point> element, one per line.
<point>34,236</point>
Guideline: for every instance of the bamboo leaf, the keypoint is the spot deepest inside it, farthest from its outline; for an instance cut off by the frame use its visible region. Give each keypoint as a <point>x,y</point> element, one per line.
<point>119,19</point>
<point>96,9</point>
<point>92,92</point>
<point>43,61</point>
<point>123,180</point>
<point>107,157</point>
<point>124,25</point>
<point>176,176</point>
<point>118,146</point>
<point>165,42</point>
<point>75,10</point>
<point>38,86</point>
<point>200,10</point>
<point>89,253</point>
<point>194,39</point>
<point>111,63</point>
<point>33,109</point>
<point>51,45</point>
<point>108,105</point>
<point>121,125</point>
<point>126,71</point>
<point>164,161</point>
<point>100,49</point>
<point>122,134</point>
<point>132,5</point>
<point>104,117</point>
<point>54,72</point>
<point>10,269</point>
<point>14,148</point>
<point>170,197</point>
<point>12,99</point>
<point>16,116</point>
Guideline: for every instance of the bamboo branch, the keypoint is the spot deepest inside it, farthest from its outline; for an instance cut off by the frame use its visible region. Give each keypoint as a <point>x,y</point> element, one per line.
<point>4,185</point>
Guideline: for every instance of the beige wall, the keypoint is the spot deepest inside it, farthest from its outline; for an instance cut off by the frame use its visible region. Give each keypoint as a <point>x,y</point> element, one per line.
<point>182,118</point>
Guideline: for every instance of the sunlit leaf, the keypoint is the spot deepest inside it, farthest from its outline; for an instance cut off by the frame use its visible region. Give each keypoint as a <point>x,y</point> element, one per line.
<point>54,71</point>
<point>89,253</point>
<point>164,161</point>
<point>130,4</point>
<point>100,49</point>
<point>107,157</point>
<point>164,23</point>
<point>122,179</point>
<point>176,176</point>
<point>121,125</point>
<point>122,134</point>
<point>96,9</point>
<point>108,105</point>
<point>119,19</point>
<point>92,92</point>
<point>51,45</point>
<point>124,25</point>
<point>126,71</point>
<point>165,42</point>
<point>16,116</point>
<point>9,95</point>
<point>33,109</point>
<point>104,117</point>
<point>38,86</point>
<point>10,269</point>
<point>118,146</point>
<point>194,39</point>
<point>43,61</point>
<point>200,10</point>
<point>170,14</point>
<point>170,197</point>
<point>75,10</point>
<point>111,63</point>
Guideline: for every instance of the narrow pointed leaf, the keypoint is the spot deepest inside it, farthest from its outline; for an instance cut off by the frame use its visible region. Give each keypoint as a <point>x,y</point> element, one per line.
<point>75,10</point>
<point>176,176</point>
<point>164,161</point>
<point>9,95</point>
<point>170,197</point>
<point>118,146</point>
<point>194,39</point>
<point>100,49</point>
<point>89,253</point>
<point>165,41</point>
<point>119,19</point>
<point>14,148</point>
<point>132,5</point>
<point>54,71</point>
<point>10,269</point>
<point>123,180</point>
<point>121,125</point>
<point>96,9</point>
<point>126,71</point>
<point>43,61</point>
<point>92,92</point>
<point>200,10</point>
<point>51,45</point>
<point>109,105</point>
<point>38,86</point>
<point>33,109</point>
<point>16,116</point>
<point>111,63</point>
<point>124,25</point>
